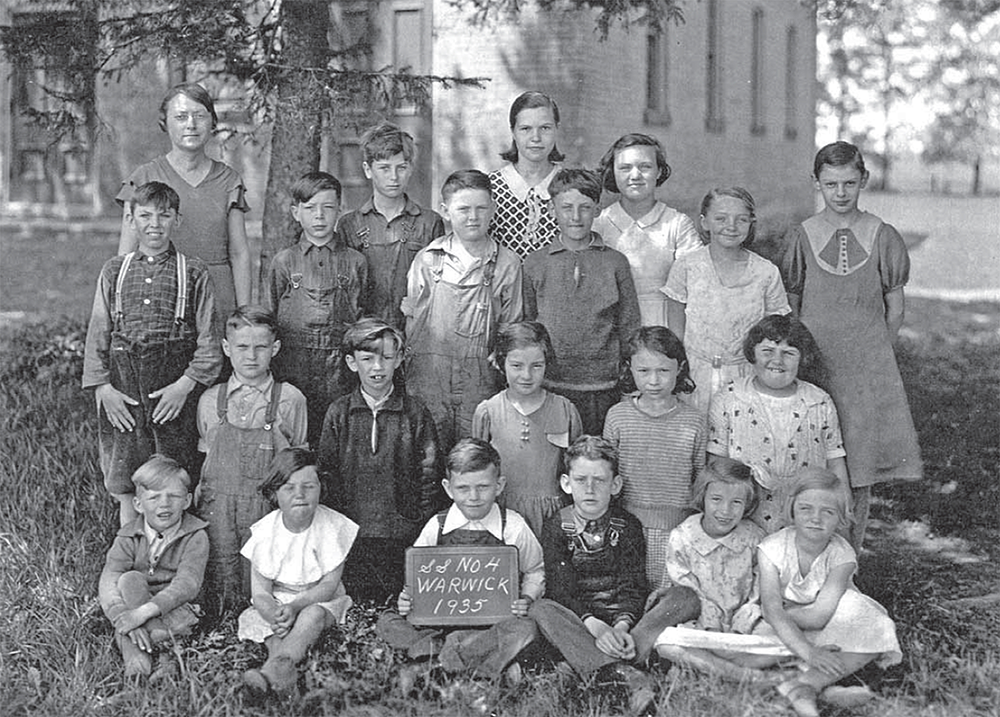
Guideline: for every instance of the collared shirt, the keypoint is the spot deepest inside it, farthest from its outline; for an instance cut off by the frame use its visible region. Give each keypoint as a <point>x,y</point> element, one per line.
<point>523,220</point>
<point>149,298</point>
<point>316,291</point>
<point>389,246</point>
<point>158,541</point>
<point>461,318</point>
<point>586,299</point>
<point>517,533</point>
<point>246,407</point>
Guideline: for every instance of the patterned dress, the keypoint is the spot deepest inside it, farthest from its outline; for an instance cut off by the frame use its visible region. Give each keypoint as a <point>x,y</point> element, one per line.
<point>719,315</point>
<point>523,221</point>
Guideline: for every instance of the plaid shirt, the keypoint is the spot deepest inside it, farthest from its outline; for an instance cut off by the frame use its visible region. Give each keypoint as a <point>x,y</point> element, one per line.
<point>148,300</point>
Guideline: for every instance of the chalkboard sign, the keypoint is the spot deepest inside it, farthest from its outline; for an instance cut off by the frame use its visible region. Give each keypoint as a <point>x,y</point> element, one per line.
<point>461,584</point>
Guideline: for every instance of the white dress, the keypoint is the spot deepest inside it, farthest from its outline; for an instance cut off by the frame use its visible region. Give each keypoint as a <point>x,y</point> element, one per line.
<point>296,562</point>
<point>651,243</point>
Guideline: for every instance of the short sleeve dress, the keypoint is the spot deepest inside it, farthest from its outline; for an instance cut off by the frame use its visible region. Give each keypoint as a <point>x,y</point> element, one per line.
<point>842,276</point>
<point>775,437</point>
<point>718,316</point>
<point>531,448</point>
<point>205,208</point>
<point>859,624</point>
<point>523,221</point>
<point>652,243</point>
<point>296,562</point>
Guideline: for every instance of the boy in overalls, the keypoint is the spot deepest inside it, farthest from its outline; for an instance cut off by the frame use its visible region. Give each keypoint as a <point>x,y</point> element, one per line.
<point>150,344</point>
<point>473,483</point>
<point>317,288</point>
<point>242,424</point>
<point>460,289</point>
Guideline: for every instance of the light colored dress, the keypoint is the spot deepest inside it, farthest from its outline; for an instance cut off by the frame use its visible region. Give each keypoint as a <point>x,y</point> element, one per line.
<point>720,570</point>
<point>296,562</point>
<point>204,229</point>
<point>718,316</point>
<point>842,276</point>
<point>775,437</point>
<point>523,220</point>
<point>531,448</point>
<point>859,624</point>
<point>652,243</point>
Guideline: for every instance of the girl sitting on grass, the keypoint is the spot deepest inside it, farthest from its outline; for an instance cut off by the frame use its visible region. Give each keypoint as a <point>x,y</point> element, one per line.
<point>808,595</point>
<point>297,555</point>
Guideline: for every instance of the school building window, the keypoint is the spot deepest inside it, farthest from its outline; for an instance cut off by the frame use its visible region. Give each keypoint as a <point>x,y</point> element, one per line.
<point>714,121</point>
<point>657,77</point>
<point>791,88</point>
<point>757,72</point>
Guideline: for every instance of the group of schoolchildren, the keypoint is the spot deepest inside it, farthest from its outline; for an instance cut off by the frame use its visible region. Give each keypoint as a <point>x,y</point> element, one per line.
<point>602,404</point>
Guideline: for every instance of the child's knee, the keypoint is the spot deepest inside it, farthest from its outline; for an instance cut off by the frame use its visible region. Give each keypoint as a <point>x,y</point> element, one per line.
<point>680,601</point>
<point>134,588</point>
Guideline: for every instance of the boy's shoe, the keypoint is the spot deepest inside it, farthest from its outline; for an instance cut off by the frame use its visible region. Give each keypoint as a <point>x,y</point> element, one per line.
<point>640,686</point>
<point>853,696</point>
<point>137,661</point>
<point>165,667</point>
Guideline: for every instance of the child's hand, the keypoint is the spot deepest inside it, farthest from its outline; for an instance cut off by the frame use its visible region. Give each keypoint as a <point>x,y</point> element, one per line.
<point>403,603</point>
<point>284,620</point>
<point>654,597</point>
<point>140,638</point>
<point>617,643</point>
<point>172,398</point>
<point>130,620</point>
<point>115,404</point>
<point>826,660</point>
<point>519,608</point>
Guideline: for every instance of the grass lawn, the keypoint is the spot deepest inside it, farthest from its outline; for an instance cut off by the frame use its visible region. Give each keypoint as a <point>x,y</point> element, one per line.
<point>932,558</point>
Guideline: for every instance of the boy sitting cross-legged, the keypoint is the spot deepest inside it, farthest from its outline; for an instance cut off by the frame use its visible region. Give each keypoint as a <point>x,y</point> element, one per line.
<point>390,228</point>
<point>595,569</point>
<point>473,483</point>
<point>155,566</point>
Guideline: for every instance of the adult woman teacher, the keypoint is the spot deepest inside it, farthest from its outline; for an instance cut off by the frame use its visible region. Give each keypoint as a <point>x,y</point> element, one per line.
<point>213,226</point>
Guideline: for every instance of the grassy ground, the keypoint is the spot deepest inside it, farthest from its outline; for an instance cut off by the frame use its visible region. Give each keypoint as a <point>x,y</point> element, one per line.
<point>932,558</point>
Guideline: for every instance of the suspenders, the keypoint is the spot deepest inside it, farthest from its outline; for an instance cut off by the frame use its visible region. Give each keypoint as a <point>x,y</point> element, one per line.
<point>180,306</point>
<point>222,405</point>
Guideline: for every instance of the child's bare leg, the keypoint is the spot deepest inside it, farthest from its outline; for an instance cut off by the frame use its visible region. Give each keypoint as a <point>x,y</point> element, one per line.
<point>284,653</point>
<point>802,691</point>
<point>126,509</point>
<point>711,663</point>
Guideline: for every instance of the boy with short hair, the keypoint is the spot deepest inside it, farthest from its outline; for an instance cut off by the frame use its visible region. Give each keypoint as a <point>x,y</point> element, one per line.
<point>150,345</point>
<point>595,569</point>
<point>242,424</point>
<point>582,290</point>
<point>155,566</point>
<point>378,457</point>
<point>316,288</point>
<point>389,228</point>
<point>474,481</point>
<point>460,289</point>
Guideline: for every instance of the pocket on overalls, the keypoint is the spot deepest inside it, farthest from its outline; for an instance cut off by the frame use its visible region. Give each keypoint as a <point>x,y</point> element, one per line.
<point>472,311</point>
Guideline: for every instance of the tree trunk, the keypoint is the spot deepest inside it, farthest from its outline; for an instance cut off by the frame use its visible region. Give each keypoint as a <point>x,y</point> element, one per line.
<point>977,170</point>
<point>298,117</point>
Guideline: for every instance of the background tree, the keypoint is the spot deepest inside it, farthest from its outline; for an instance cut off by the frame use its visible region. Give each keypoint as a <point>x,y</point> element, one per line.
<point>297,82</point>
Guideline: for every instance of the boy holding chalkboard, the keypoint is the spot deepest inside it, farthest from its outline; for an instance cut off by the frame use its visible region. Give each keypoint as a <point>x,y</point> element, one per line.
<point>595,565</point>
<point>473,483</point>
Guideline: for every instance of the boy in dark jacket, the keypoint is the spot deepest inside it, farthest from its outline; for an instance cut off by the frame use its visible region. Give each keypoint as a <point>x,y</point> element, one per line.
<point>595,568</point>
<point>379,458</point>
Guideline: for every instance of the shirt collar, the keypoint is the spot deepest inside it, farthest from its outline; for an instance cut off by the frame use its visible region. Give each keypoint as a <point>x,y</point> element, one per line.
<point>557,246</point>
<point>445,243</point>
<point>234,384</point>
<point>519,187</point>
<point>411,207</point>
<point>617,215</point>
<point>491,523</point>
<point>159,258</point>
<point>306,246</point>
<point>377,404</point>
<point>168,535</point>
<point>735,540</point>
